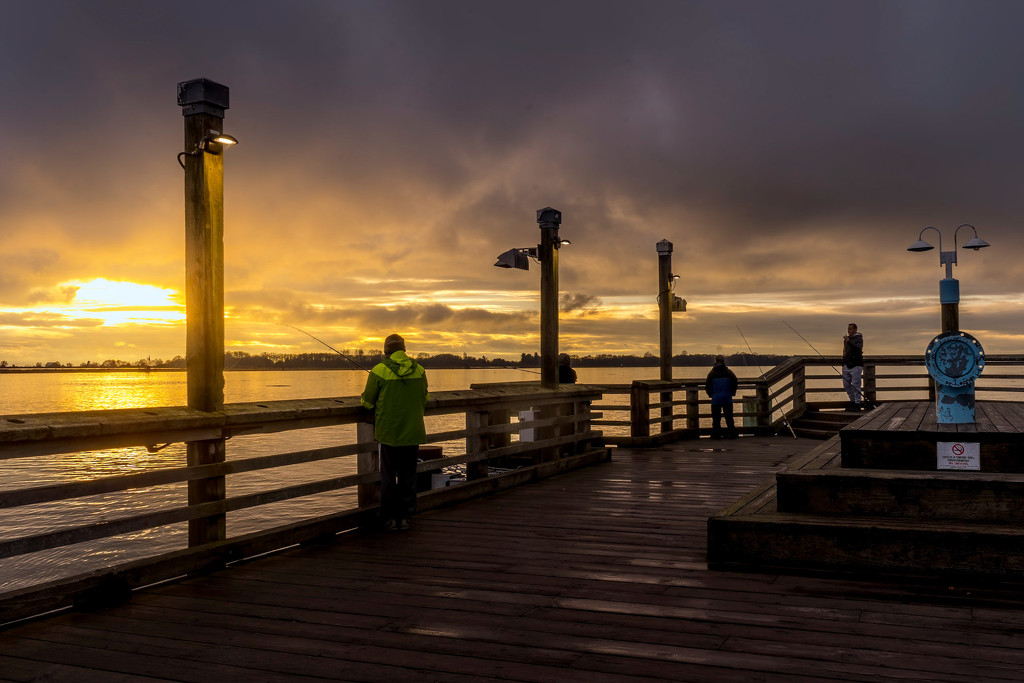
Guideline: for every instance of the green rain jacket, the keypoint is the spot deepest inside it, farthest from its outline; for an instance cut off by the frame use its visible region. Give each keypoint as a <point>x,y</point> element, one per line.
<point>396,392</point>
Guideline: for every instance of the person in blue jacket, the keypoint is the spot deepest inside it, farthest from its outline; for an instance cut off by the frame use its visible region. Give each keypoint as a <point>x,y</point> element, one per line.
<point>396,392</point>
<point>721,386</point>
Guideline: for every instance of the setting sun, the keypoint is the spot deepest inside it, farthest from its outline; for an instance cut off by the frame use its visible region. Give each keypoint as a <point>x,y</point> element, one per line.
<point>120,303</point>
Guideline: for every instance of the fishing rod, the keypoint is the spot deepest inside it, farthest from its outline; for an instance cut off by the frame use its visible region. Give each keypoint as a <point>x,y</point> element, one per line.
<point>328,346</point>
<point>512,367</point>
<point>771,401</point>
<point>857,389</point>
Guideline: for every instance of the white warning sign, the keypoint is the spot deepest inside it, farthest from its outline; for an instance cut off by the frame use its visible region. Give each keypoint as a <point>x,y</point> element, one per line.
<point>958,455</point>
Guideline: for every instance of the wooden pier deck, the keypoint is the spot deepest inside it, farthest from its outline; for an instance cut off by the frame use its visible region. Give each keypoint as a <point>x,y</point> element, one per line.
<point>595,575</point>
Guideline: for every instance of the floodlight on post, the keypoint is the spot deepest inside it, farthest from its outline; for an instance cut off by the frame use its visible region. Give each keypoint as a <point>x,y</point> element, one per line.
<point>214,142</point>
<point>666,305</point>
<point>666,281</point>
<point>516,258</point>
<point>549,220</point>
<point>545,253</point>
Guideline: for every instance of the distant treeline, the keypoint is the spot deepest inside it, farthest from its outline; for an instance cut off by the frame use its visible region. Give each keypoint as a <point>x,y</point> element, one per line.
<point>239,360</point>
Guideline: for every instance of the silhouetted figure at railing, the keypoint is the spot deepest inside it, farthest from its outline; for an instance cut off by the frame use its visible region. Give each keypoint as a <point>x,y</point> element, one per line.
<point>853,366</point>
<point>721,386</point>
<point>566,375</point>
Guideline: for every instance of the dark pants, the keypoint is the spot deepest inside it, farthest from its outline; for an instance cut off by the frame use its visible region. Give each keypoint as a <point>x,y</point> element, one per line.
<point>398,481</point>
<point>717,413</point>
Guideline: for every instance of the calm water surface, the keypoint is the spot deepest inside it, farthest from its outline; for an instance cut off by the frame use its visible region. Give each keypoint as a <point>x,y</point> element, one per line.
<point>60,392</point>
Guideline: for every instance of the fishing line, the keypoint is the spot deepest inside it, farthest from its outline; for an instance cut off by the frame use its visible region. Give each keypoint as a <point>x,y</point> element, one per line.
<point>770,399</point>
<point>328,346</point>
<point>823,358</point>
<point>360,366</point>
<point>512,367</point>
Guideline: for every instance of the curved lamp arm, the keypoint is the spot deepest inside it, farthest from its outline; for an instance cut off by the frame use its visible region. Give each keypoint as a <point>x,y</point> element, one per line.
<point>974,244</point>
<point>921,245</point>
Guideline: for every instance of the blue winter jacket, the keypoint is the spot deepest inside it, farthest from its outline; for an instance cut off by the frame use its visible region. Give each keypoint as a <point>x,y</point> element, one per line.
<point>721,385</point>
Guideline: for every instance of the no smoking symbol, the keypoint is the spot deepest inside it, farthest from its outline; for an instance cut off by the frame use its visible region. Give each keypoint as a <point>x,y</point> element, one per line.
<point>958,449</point>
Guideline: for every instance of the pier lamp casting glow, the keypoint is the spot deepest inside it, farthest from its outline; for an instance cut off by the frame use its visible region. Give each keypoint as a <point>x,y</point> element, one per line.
<point>218,138</point>
<point>214,142</point>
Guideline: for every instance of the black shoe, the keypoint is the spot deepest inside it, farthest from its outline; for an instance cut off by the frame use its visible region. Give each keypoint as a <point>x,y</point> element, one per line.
<point>390,525</point>
<point>404,524</point>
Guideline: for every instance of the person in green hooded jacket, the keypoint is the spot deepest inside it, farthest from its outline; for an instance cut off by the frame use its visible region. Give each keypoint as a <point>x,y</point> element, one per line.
<point>396,392</point>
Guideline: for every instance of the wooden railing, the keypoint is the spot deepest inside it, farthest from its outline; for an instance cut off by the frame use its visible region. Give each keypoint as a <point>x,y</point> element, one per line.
<point>494,450</point>
<point>681,410</point>
<point>562,439</point>
<point>663,410</point>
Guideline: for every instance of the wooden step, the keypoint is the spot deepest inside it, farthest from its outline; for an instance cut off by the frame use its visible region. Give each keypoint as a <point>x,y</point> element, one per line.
<point>770,541</point>
<point>816,516</point>
<point>953,496</point>
<point>822,424</point>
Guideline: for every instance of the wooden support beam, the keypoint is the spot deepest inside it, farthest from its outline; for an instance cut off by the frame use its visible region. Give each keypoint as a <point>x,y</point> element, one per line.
<point>549,219</point>
<point>203,103</point>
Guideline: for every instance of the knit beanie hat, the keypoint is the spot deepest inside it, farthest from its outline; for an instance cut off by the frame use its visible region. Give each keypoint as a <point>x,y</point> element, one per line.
<point>393,343</point>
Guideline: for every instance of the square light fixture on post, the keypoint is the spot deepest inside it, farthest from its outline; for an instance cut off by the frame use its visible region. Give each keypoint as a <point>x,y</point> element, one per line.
<point>546,253</point>
<point>516,258</point>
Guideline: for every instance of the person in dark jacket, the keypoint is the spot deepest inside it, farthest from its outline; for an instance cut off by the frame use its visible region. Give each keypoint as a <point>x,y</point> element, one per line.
<point>566,375</point>
<point>853,366</point>
<point>721,386</point>
<point>396,392</point>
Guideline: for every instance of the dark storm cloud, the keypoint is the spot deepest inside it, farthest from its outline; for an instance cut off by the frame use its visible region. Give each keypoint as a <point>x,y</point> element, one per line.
<point>291,308</point>
<point>389,149</point>
<point>577,301</point>
<point>433,316</point>
<point>767,114</point>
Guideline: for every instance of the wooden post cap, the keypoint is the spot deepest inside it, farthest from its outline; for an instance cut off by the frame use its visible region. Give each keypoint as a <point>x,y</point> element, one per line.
<point>202,96</point>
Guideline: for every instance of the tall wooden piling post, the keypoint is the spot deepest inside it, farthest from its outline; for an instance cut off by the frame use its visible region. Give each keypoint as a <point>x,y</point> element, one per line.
<point>950,317</point>
<point>549,219</point>
<point>665,326</point>
<point>203,104</point>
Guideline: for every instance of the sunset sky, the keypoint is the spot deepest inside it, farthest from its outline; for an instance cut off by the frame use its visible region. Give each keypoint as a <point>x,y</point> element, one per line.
<point>389,151</point>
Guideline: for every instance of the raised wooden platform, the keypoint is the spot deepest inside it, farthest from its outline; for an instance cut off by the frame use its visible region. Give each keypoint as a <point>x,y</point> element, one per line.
<point>902,436</point>
<point>872,500</point>
<point>595,575</point>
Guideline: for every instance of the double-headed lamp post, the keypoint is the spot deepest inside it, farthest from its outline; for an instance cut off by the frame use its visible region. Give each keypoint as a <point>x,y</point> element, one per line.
<point>949,288</point>
<point>954,358</point>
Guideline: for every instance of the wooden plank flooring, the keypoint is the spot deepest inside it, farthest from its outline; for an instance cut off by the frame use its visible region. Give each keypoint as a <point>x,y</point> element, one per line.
<point>914,416</point>
<point>596,575</point>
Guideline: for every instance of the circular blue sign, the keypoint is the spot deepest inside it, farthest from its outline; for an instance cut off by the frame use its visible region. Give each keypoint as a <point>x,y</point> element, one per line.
<point>954,359</point>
